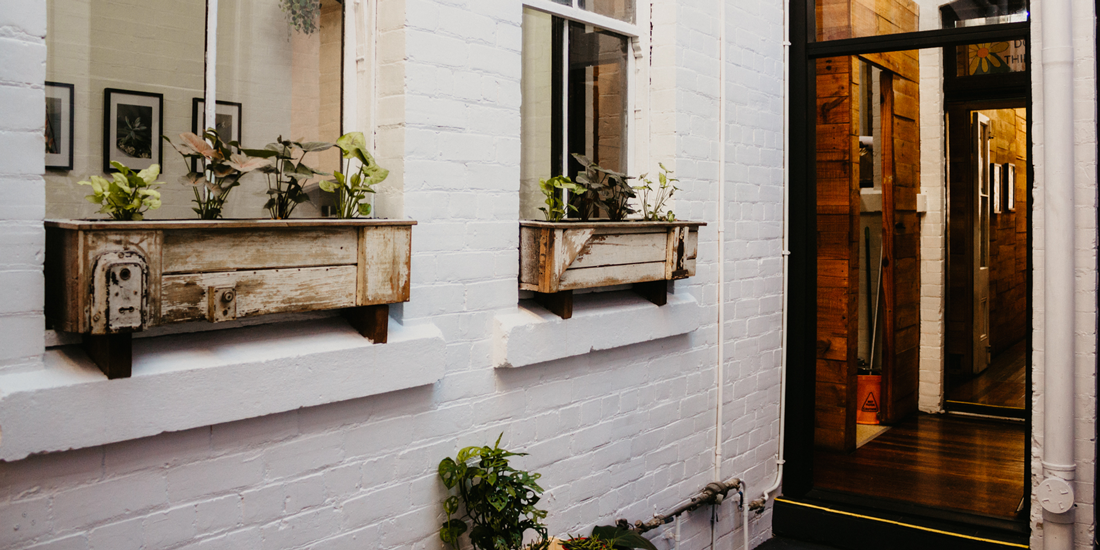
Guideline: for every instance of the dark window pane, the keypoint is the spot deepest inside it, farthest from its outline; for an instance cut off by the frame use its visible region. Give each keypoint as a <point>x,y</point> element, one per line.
<point>598,96</point>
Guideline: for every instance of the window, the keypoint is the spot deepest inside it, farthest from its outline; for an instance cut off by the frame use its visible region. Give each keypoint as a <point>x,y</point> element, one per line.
<point>577,62</point>
<point>139,70</point>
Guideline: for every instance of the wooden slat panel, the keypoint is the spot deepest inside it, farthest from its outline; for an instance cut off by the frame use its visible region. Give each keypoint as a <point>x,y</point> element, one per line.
<point>384,257</point>
<point>207,250</point>
<point>529,255</point>
<point>612,275</point>
<point>605,250</point>
<point>63,271</point>
<point>260,292</point>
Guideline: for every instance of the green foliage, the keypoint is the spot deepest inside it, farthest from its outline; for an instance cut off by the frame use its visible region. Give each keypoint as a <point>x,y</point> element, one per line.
<point>620,538</point>
<point>128,194</point>
<point>220,168</point>
<point>585,543</point>
<point>287,173</point>
<point>605,191</point>
<point>351,192</point>
<point>303,15</point>
<point>498,500</point>
<point>654,199</point>
<point>555,208</point>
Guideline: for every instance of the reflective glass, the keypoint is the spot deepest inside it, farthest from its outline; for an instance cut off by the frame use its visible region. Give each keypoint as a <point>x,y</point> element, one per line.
<point>840,19</point>
<point>280,74</point>
<point>622,10</point>
<point>144,62</point>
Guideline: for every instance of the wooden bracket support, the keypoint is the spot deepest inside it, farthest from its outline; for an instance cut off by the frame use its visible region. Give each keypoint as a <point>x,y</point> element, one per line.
<point>654,291</point>
<point>371,321</point>
<point>112,353</point>
<point>559,303</point>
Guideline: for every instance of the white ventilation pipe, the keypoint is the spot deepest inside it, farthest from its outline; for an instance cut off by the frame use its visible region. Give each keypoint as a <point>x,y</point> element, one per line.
<point>1055,493</point>
<point>760,503</point>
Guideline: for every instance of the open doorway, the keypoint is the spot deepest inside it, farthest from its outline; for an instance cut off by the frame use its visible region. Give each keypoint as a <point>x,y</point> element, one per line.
<point>987,322</point>
<point>922,292</point>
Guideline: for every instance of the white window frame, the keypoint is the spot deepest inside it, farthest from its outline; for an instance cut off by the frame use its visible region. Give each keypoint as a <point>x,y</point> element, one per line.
<point>632,32</point>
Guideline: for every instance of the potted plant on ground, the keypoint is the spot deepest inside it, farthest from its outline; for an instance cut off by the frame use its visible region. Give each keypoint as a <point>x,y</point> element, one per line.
<point>493,501</point>
<point>109,279</point>
<point>603,247</point>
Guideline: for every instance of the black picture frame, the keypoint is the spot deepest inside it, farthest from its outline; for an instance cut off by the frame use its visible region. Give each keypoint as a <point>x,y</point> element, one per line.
<point>60,121</point>
<point>221,109</point>
<point>232,129</point>
<point>142,146</point>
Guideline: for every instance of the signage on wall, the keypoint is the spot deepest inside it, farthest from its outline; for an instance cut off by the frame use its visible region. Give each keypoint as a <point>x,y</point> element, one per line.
<point>996,57</point>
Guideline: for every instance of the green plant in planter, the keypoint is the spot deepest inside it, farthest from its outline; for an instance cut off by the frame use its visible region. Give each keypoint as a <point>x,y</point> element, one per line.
<point>287,174</point>
<point>552,188</point>
<point>128,194</point>
<point>605,191</point>
<point>654,199</point>
<point>220,167</point>
<point>608,537</point>
<point>303,15</point>
<point>351,192</point>
<point>497,500</point>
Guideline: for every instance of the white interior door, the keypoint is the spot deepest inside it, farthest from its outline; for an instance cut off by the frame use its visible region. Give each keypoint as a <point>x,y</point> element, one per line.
<point>982,205</point>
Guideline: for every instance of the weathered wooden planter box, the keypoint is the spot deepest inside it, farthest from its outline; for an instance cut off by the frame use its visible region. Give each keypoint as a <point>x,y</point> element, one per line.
<point>557,258</point>
<point>108,279</point>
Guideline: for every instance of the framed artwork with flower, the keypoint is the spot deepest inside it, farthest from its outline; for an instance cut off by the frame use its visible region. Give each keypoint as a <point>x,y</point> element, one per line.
<point>132,125</point>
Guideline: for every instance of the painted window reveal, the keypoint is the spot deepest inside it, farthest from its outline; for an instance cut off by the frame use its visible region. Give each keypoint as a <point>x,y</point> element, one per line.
<point>575,97</point>
<point>279,72</point>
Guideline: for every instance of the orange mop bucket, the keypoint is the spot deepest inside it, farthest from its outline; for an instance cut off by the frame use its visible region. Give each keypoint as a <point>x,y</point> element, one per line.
<point>868,394</point>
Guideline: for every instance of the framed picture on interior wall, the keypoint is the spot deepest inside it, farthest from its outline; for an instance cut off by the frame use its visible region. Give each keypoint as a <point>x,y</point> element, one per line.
<point>59,126</point>
<point>132,125</point>
<point>227,121</point>
<point>995,184</point>
<point>227,118</point>
<point>1010,185</point>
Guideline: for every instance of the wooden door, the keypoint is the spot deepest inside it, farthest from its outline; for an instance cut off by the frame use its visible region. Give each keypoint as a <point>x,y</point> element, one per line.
<point>981,156</point>
<point>901,238</point>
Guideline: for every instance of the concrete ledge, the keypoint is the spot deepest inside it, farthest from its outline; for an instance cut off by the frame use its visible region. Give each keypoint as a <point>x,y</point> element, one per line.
<point>532,335</point>
<point>193,380</point>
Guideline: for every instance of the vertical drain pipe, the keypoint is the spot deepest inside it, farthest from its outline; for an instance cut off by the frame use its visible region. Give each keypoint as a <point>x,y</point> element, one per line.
<point>720,377</point>
<point>1055,493</point>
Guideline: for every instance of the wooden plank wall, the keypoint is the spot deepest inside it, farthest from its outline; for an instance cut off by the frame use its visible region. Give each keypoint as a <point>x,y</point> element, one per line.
<point>902,357</point>
<point>837,252</point>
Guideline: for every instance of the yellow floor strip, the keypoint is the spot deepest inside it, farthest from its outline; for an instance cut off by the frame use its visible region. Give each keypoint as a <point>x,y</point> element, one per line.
<point>900,524</point>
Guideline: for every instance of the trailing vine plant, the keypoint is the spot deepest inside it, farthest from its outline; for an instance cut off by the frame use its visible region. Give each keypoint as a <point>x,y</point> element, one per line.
<point>303,15</point>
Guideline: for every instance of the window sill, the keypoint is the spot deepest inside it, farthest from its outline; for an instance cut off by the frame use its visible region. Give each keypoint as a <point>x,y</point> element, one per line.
<point>188,381</point>
<point>532,335</point>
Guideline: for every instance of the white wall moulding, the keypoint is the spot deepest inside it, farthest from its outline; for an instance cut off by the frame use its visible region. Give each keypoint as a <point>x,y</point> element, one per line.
<point>559,257</point>
<point>529,336</point>
<point>188,381</point>
<point>108,279</point>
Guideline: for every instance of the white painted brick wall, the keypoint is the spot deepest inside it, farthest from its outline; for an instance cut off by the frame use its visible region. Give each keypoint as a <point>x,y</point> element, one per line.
<point>22,240</point>
<point>1085,143</point>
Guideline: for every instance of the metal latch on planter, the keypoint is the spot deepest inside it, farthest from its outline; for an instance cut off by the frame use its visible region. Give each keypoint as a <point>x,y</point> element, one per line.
<point>118,292</point>
<point>221,304</point>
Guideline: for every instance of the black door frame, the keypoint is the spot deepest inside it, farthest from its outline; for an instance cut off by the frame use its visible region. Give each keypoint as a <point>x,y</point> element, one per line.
<point>802,298</point>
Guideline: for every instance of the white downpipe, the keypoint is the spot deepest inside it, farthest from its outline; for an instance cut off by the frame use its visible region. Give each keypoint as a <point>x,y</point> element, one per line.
<point>720,370</point>
<point>1058,278</point>
<point>786,252</point>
